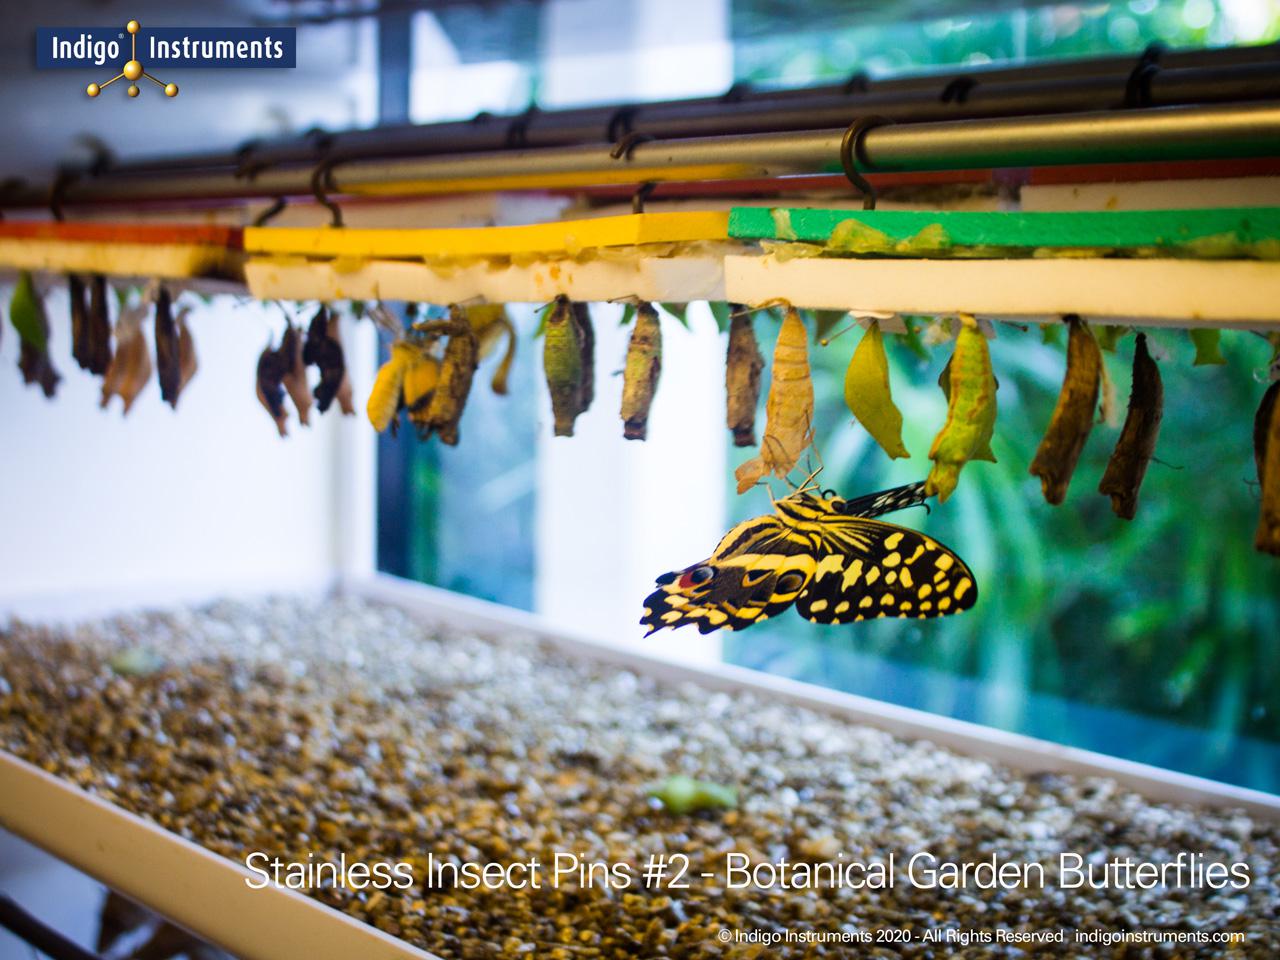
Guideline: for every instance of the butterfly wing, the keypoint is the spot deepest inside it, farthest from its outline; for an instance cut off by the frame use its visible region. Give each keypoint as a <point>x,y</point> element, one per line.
<point>868,569</point>
<point>756,572</point>
<point>886,501</point>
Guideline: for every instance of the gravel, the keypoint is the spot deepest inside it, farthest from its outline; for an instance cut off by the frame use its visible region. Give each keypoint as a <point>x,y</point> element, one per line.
<point>332,727</point>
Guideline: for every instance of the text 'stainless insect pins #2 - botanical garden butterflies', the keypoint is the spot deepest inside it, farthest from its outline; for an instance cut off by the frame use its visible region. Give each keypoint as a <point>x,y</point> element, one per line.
<point>829,557</point>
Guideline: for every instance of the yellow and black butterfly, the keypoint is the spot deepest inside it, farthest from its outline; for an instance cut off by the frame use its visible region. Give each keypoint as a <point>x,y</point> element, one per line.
<point>828,556</point>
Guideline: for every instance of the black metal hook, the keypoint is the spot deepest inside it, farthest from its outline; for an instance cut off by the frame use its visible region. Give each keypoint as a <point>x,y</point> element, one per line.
<point>857,83</point>
<point>853,153</point>
<point>1137,86</point>
<point>321,184</point>
<point>58,191</point>
<point>619,124</point>
<point>643,192</point>
<point>622,149</point>
<point>8,187</point>
<point>518,130</point>
<point>957,89</point>
<point>271,212</point>
<point>246,166</point>
<point>737,92</point>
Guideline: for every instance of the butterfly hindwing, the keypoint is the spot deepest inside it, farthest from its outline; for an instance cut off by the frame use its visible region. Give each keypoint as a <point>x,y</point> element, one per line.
<point>892,572</point>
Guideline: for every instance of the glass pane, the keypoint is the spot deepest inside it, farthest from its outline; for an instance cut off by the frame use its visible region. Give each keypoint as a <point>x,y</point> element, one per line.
<point>837,39</point>
<point>1152,639</point>
<point>462,517</point>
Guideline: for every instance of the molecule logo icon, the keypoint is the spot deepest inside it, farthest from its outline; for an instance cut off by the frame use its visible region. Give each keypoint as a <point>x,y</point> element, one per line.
<point>132,70</point>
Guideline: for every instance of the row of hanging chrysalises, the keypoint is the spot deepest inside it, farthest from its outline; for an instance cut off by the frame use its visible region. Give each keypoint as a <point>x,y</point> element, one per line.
<point>433,362</point>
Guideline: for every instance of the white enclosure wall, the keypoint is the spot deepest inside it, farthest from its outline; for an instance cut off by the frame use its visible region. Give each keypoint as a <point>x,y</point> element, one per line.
<point>108,509</point>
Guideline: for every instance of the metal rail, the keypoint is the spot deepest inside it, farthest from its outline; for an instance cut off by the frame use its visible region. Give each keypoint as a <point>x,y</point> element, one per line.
<point>1158,78</point>
<point>1170,133</point>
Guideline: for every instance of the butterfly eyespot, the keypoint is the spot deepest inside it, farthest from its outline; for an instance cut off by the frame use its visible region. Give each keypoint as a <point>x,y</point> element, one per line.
<point>790,582</point>
<point>701,574</point>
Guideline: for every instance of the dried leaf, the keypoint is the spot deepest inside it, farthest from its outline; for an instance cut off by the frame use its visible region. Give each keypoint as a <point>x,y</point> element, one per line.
<point>1137,444</point>
<point>970,387</point>
<point>1056,457</point>
<point>788,411</point>
<point>641,372</point>
<point>866,391</point>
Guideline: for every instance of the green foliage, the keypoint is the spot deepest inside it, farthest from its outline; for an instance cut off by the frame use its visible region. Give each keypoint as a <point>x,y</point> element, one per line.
<point>720,310</point>
<point>678,310</point>
<point>1208,349</point>
<point>827,45</point>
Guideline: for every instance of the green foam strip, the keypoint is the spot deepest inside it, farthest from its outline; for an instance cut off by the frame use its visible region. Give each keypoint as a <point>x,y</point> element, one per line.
<point>1110,229</point>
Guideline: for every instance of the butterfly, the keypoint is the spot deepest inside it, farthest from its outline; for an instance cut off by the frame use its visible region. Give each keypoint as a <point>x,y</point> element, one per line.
<point>829,557</point>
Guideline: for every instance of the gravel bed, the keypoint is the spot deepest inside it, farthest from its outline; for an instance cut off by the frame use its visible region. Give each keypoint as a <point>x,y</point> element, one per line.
<point>342,727</point>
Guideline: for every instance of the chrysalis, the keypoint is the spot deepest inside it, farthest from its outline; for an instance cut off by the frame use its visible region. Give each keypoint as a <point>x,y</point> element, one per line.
<point>1055,459</point>
<point>641,372</point>
<point>742,377</point>
<point>970,386</point>
<point>789,409</point>
<point>1137,443</point>
<point>866,391</point>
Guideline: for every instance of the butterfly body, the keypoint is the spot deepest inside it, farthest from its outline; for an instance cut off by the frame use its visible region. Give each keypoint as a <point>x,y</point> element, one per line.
<point>828,557</point>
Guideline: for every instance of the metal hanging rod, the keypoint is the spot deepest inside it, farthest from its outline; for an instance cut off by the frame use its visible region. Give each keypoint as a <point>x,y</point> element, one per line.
<point>1168,133</point>
<point>1157,78</point>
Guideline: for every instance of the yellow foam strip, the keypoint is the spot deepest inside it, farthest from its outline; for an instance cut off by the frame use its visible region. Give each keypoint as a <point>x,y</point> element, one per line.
<point>561,236</point>
<point>169,260</point>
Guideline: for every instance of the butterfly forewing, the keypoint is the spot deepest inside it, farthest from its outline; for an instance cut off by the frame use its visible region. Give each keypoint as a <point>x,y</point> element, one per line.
<point>891,571</point>
<point>756,572</point>
<point>886,501</point>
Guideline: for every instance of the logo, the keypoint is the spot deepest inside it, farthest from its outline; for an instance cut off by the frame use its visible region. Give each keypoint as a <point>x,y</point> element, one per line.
<point>160,48</point>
